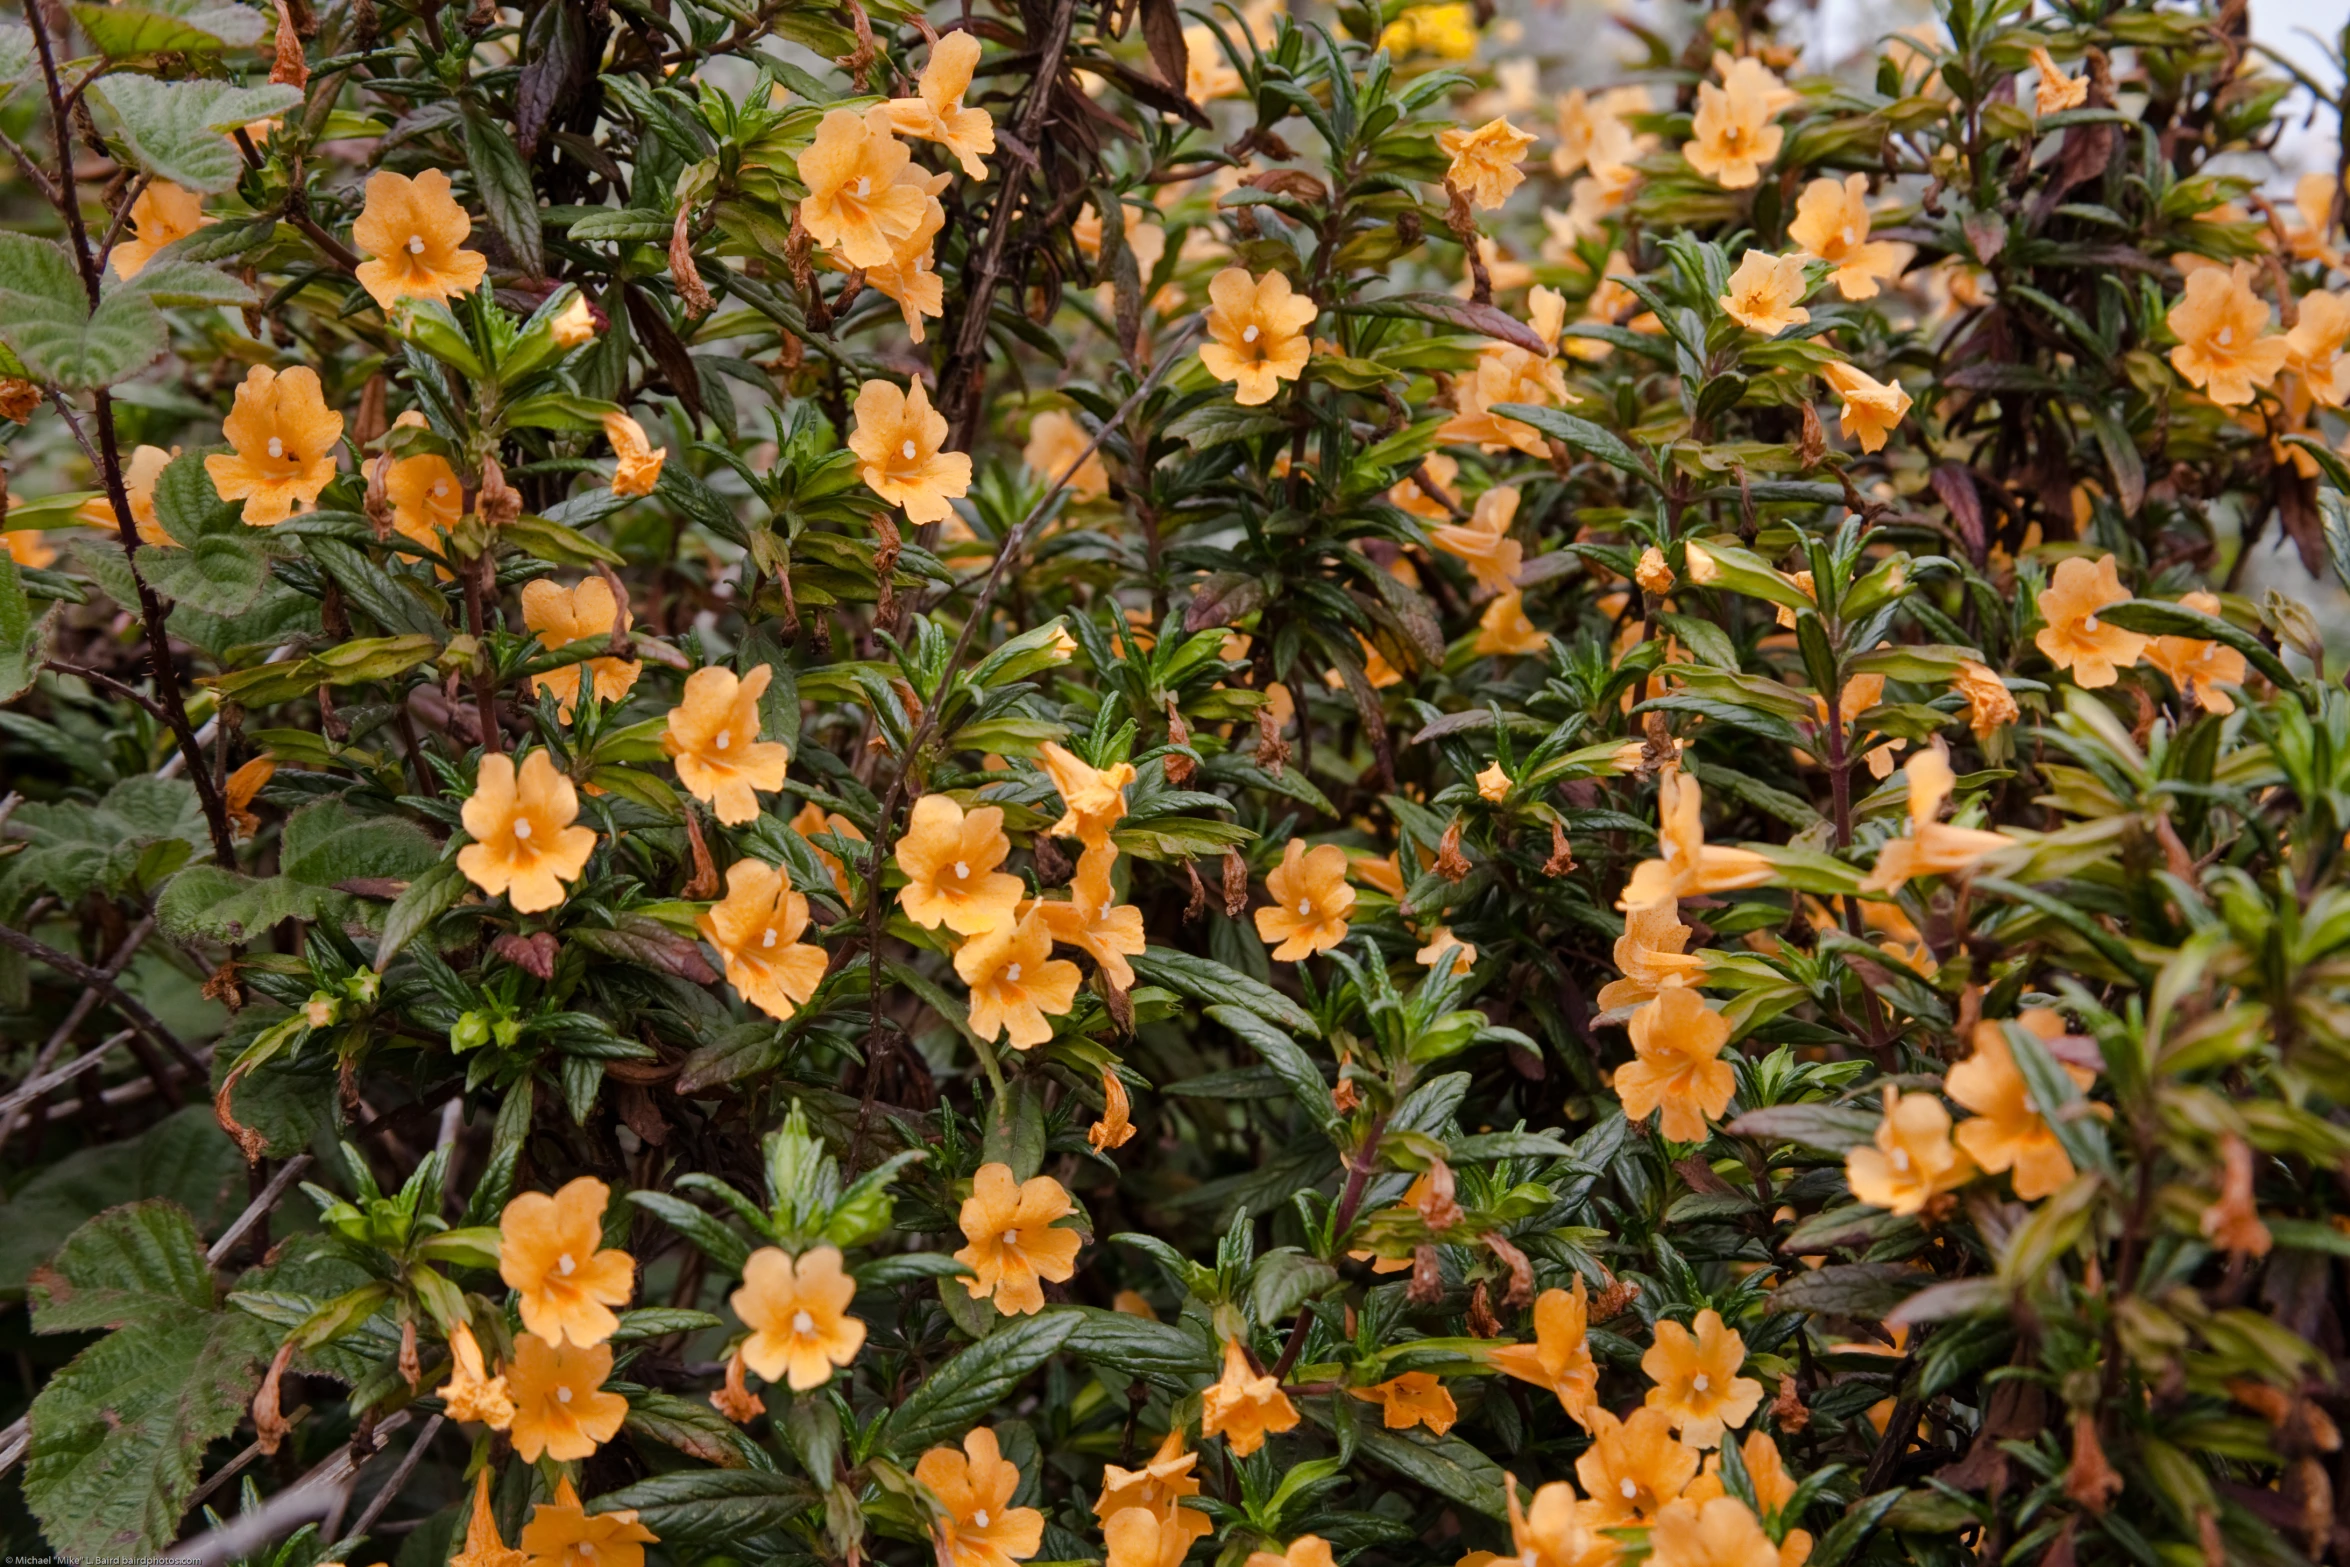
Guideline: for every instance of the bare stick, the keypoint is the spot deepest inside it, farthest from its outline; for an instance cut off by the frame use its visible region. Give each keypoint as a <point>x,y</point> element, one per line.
<point>102,982</point>
<point>307,1500</point>
<point>391,1487</point>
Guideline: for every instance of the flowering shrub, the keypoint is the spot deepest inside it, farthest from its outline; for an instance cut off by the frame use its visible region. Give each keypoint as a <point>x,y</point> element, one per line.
<point>788,787</point>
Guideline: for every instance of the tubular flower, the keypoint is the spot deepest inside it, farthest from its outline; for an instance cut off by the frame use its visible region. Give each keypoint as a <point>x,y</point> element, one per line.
<point>1696,1375</point>
<point>936,112</point>
<point>1115,1128</point>
<point>2197,667</point>
<point>950,862</point>
<point>471,1393</point>
<point>1094,922</point>
<point>797,1310</point>
<point>1560,1356</point>
<point>239,788</point>
<point>1311,901</point>
<point>163,215</point>
<point>1095,797</point>
<point>756,928</point>
<point>1441,941</point>
<point>1872,408</point>
<point>1417,1398</point>
<point>1013,1241</point>
<point>1162,1483</point>
<point>2314,348</point>
<point>2073,637</point>
<point>562,1533</point>
<point>713,735</point>
<point>1990,706</point>
<point>1484,542</point>
<point>1243,1407</point>
<point>551,1252</point>
<point>1677,1041</point>
<point>1054,441</point>
<point>524,844</point>
<point>1256,333</point>
<point>415,231</point>
<point>560,1407</point>
<point>483,1548</point>
<point>1485,160</point>
<point>2225,347</point>
<point>910,276</point>
<point>1912,1160</point>
<point>1016,982</point>
<point>1932,847</point>
<point>283,438</point>
<point>899,438</point>
<point>1733,129</point>
<point>1722,1532</point>
<point>562,616</point>
<point>427,498</point>
<point>864,198</point>
<point>1504,631</point>
<point>1650,955</point>
<point>2007,1132</point>
<point>1766,293</point>
<point>1633,1467</point>
<point>638,467</point>
<point>2056,92</point>
<point>1832,225</point>
<point>1553,1532</point>
<point>1687,866</point>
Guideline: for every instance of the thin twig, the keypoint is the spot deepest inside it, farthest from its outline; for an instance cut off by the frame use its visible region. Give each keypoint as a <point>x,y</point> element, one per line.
<point>258,1209</point>
<point>391,1488</point>
<point>236,1466</point>
<point>83,1005</point>
<point>305,1501</point>
<point>49,1082</point>
<point>102,982</point>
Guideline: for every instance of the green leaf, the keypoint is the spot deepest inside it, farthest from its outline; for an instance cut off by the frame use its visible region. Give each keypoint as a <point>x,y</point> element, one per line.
<point>1163,1353</point>
<point>503,180</point>
<point>1448,1466</point>
<point>45,318</point>
<point>1861,1289</point>
<point>433,893</point>
<point>185,1156</point>
<point>216,564</point>
<point>553,542</point>
<point>957,1393</point>
<point>325,843</point>
<point>1288,1060</point>
<point>1590,439</point>
<point>1204,979</point>
<point>24,635</point>
<point>145,27</point>
<point>2161,618</point>
<point>175,280</point>
<point>712,1506</point>
<point>1829,1128</point>
<point>179,131</point>
<point>1857,1524</point>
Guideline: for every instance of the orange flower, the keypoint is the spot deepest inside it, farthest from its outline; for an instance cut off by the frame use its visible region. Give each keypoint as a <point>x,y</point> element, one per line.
<point>1016,982</point>
<point>163,215</point>
<point>561,616</point>
<point>1407,495</point>
<point>471,1392</point>
<point>1493,557</point>
<point>2313,349</point>
<point>1014,1243</point>
<point>2199,668</point>
<point>1140,1537</point>
<point>2073,637</point>
<point>524,843</point>
<point>1417,1398</point>
<point>1243,1407</point>
<point>1093,921</point>
<point>1650,954</point>
<point>1633,1467</point>
<point>1990,706</point>
<point>1256,331</point>
<point>1687,866</point>
<point>562,1534</point>
<point>239,789</point>
<point>1054,440</point>
<point>1310,902</point>
<point>1095,797</point>
<point>756,928</point>
<point>283,436</point>
<point>1677,1041</point>
<point>898,435</point>
<point>1595,136</point>
<point>146,465</point>
<point>1115,1128</point>
<point>1766,293</point>
<point>1932,847</point>
<point>483,1548</point>
<point>427,498</point>
<point>1734,136</point>
<point>714,737</point>
<point>1560,1356</point>
<point>864,196</point>
<point>560,1408</point>
<point>1161,1484</point>
<point>1511,373</point>
<point>813,819</point>
<point>1205,75</point>
<point>1872,408</point>
<point>1307,1550</point>
<point>936,112</point>
<point>950,862</point>
<point>910,276</point>
<point>1503,630</point>
<point>574,324</point>
<point>415,231</point>
<point>2056,92</point>
<point>1485,160</point>
<point>1912,1160</point>
<point>638,467</point>
<point>798,1313</point>
<point>1720,1533</point>
<point>1551,1533</point>
<point>2232,1221</point>
<point>1697,1381</point>
<point>2225,346</point>
<point>2007,1132</point>
<point>1832,224</point>
<point>1441,941</point>
<point>551,1251</point>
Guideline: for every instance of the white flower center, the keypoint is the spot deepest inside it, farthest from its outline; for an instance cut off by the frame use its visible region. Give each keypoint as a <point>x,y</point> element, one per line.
<point>563,1264</point>
<point>907,451</point>
<point>1529,1557</point>
<point>522,834</point>
<point>1249,333</point>
<point>416,244</point>
<point>767,938</point>
<point>277,448</point>
<point>1305,905</point>
<point>2088,622</point>
<point>1700,1382</point>
<point>724,739</point>
<point>1012,973</point>
<point>864,184</point>
<point>1901,1160</point>
<point>440,489</point>
<point>980,1518</point>
<point>2227,335</point>
<point>801,1322</point>
<point>962,869</point>
<point>562,1395</point>
<point>1629,1489</point>
<point>1851,235</point>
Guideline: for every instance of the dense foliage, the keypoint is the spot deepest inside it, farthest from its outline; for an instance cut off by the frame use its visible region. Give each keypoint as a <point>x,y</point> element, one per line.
<point>1133,786</point>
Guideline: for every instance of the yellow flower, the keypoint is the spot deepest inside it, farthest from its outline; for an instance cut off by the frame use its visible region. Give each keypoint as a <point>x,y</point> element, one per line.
<point>1932,847</point>
<point>561,616</point>
<point>1095,797</point>
<point>1115,1128</point>
<point>1687,866</point>
<point>1872,408</point>
<point>415,231</point>
<point>2007,1132</point>
<point>139,474</point>
<point>1697,1381</point>
<point>756,928</point>
<point>2199,668</point>
<point>471,1392</point>
<point>1551,1533</point>
<point>1441,941</point>
<point>1016,982</point>
<point>1311,901</point>
<point>574,324</point>
<point>2313,349</point>
<point>1677,1043</point>
<point>283,438</point>
<point>2225,347</point>
<point>798,1313</point>
<point>1447,31</point>
<point>1257,333</point>
<point>864,196</point>
<point>1912,1159</point>
<point>936,112</point>
<point>2313,202</point>
<point>1503,630</point>
<point>551,1252</point>
<point>950,862</point>
<point>1733,129</point>
<point>1493,785</point>
<point>898,437</point>
<point>714,737</point>
<point>1417,1398</point>
<point>1990,706</point>
<point>2073,637</point>
<point>1206,76</point>
<point>483,1548</point>
<point>1013,1242</point>
<point>1766,293</point>
<point>1054,440</point>
<point>2056,92</point>
<point>561,1533</point>
<point>1722,1532</point>
<point>1243,1407</point>
<point>1560,1356</point>
<point>524,843</point>
<point>560,1407</point>
<point>1485,160</point>
<point>162,215</point>
<point>1832,224</point>
<point>1093,921</point>
<point>1633,1468</point>
<point>910,276</point>
<point>1483,543</point>
<point>1650,955</point>
<point>638,467</point>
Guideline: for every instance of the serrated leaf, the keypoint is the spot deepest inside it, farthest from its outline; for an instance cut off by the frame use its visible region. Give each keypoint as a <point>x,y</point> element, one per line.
<point>175,280</point>
<point>46,320</point>
<point>24,635</point>
<point>179,131</point>
<point>146,27</point>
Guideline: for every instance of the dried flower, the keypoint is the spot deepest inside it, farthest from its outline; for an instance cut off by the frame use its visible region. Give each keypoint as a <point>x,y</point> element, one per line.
<point>1990,705</point>
<point>2232,1222</point>
<point>1485,160</point>
<point>471,1393</point>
